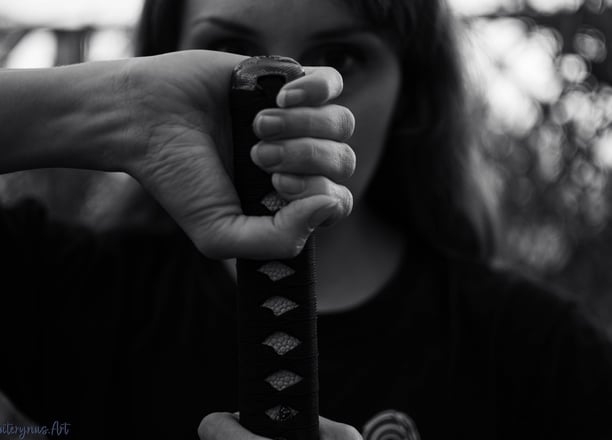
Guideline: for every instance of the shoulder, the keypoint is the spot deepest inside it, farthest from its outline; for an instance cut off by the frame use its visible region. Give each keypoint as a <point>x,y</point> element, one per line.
<point>505,295</point>
<point>531,348</point>
<point>519,320</point>
<point>521,313</point>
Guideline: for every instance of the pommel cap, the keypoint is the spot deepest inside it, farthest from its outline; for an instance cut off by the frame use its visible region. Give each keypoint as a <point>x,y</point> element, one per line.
<point>246,75</point>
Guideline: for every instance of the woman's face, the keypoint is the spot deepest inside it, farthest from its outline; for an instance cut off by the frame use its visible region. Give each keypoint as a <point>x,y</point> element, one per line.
<point>320,32</point>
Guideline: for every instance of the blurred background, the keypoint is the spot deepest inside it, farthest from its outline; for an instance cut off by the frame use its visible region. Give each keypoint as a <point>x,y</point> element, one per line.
<point>542,76</point>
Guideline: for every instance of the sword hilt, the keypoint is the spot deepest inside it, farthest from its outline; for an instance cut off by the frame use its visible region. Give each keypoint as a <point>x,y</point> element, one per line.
<point>278,378</point>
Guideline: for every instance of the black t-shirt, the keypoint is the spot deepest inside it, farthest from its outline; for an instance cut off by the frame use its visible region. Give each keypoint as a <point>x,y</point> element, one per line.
<point>133,335</point>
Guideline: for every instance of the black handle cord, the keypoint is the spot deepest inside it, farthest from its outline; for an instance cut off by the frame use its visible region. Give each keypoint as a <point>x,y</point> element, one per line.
<point>278,378</point>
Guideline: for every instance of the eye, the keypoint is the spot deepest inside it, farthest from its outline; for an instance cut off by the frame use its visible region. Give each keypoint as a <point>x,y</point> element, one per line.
<point>342,57</point>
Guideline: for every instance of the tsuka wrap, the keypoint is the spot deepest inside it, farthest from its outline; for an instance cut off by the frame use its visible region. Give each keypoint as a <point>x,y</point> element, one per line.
<point>278,377</point>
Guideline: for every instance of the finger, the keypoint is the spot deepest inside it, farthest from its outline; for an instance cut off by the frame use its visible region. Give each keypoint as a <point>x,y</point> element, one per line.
<point>318,86</point>
<point>332,121</point>
<point>264,237</point>
<point>222,426</point>
<point>334,160</point>
<point>191,184</point>
<point>330,430</point>
<point>292,187</point>
<point>9,413</point>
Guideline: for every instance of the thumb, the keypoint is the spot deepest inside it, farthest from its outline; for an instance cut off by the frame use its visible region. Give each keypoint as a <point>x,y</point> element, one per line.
<point>299,218</point>
<point>280,236</point>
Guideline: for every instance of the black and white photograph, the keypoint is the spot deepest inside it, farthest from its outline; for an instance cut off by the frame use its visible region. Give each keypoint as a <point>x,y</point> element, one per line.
<point>306,219</point>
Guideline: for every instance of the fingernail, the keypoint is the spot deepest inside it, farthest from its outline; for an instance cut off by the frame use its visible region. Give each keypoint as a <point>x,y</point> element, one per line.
<point>320,216</point>
<point>288,98</point>
<point>268,155</point>
<point>289,184</point>
<point>269,125</point>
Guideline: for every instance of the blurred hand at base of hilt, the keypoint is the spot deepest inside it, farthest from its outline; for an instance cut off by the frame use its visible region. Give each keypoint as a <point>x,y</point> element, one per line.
<point>13,419</point>
<point>222,426</point>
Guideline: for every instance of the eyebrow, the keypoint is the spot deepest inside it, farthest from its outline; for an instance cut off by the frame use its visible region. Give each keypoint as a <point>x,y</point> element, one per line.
<point>342,32</point>
<point>243,29</point>
<point>232,26</point>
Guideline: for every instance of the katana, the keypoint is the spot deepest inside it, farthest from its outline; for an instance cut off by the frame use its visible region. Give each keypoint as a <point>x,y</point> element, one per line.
<point>277,349</point>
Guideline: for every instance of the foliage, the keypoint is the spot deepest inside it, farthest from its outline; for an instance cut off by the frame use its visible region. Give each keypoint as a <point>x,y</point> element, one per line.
<point>545,81</point>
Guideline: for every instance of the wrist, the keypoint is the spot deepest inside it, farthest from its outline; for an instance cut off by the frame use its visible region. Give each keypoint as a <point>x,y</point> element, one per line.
<point>69,117</point>
<point>97,123</point>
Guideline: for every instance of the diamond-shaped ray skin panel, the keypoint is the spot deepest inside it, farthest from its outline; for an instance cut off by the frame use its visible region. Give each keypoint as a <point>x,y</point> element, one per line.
<point>276,271</point>
<point>279,305</point>
<point>273,202</point>
<point>282,343</point>
<point>283,379</point>
<point>281,413</point>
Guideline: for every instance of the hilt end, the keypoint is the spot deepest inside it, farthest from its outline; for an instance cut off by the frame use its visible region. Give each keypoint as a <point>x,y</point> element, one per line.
<point>247,74</point>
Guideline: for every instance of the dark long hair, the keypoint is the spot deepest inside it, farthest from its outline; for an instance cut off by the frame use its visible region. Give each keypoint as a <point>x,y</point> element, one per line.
<point>425,181</point>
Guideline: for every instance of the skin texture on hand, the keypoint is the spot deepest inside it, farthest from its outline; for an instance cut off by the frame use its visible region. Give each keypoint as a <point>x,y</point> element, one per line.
<point>165,121</point>
<point>184,162</point>
<point>222,426</point>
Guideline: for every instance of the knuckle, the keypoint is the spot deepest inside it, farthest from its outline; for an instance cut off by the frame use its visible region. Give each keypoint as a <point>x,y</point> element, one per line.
<point>345,122</point>
<point>329,83</point>
<point>346,201</point>
<point>348,161</point>
<point>336,83</point>
<point>312,122</point>
<point>208,426</point>
<point>325,82</point>
<point>347,432</point>
<point>325,186</point>
<point>341,431</point>
<point>350,202</point>
<point>310,152</point>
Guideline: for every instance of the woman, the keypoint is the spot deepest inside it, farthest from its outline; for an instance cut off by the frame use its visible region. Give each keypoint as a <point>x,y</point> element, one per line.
<point>416,332</point>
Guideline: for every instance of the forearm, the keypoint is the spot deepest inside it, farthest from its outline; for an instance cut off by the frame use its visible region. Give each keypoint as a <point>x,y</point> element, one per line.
<point>68,117</point>
<point>165,120</point>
